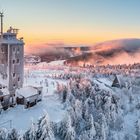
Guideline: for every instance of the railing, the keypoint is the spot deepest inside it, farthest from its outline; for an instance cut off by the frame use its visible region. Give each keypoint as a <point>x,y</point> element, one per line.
<point>7,123</point>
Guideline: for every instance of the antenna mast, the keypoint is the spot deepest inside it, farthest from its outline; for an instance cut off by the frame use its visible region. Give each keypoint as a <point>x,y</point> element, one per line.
<point>1,18</point>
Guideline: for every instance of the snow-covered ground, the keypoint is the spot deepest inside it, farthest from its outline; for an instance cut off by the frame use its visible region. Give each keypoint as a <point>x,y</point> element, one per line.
<point>21,118</point>
<point>128,103</point>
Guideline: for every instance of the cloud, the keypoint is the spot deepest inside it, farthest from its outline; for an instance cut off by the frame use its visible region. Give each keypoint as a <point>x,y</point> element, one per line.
<point>124,51</point>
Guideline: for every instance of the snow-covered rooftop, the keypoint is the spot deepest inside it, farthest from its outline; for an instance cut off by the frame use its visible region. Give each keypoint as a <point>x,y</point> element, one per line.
<point>27,91</point>
<point>106,80</point>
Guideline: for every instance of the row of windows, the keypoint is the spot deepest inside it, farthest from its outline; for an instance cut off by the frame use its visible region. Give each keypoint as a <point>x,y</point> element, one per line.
<point>2,49</point>
<point>16,61</point>
<point>15,49</point>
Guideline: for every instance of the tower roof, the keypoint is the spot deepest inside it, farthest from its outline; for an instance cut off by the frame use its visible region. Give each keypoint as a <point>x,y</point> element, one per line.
<point>9,37</point>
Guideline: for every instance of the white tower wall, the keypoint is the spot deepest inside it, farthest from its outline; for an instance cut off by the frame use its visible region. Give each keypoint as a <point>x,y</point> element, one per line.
<point>12,60</point>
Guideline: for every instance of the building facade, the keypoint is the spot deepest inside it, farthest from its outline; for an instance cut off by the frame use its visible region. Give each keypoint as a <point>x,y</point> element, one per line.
<point>11,60</point>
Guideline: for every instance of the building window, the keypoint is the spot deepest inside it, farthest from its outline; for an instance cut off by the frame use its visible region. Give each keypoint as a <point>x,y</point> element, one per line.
<point>17,60</point>
<point>2,49</point>
<point>14,49</point>
<point>18,78</point>
<point>13,61</point>
<point>18,49</point>
<point>14,74</point>
<point>14,85</point>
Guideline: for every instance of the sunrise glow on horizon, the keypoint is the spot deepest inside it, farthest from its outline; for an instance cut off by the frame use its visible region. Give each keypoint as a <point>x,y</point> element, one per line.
<point>72,22</point>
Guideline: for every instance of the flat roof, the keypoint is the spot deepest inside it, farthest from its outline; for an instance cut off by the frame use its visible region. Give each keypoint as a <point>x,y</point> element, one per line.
<point>27,92</point>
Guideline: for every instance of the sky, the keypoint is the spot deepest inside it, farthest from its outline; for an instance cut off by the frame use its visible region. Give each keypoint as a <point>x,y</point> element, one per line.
<point>75,22</point>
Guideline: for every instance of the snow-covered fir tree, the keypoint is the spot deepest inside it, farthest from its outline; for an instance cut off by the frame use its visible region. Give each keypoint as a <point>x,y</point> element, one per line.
<point>66,131</point>
<point>89,131</point>
<point>137,129</point>
<point>13,135</point>
<point>44,130</point>
<point>31,134</point>
<point>3,134</point>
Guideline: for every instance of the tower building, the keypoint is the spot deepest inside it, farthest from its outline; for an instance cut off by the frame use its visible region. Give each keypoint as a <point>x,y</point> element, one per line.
<point>11,59</point>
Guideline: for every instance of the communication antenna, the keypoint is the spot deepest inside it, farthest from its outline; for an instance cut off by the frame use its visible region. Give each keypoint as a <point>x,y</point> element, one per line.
<point>1,18</point>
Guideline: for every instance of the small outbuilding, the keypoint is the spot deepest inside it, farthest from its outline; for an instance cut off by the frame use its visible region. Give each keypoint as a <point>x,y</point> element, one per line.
<point>113,81</point>
<point>6,99</point>
<point>116,82</point>
<point>29,96</point>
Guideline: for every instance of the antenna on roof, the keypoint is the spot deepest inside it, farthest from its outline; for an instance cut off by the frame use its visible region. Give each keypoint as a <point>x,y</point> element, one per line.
<point>1,18</point>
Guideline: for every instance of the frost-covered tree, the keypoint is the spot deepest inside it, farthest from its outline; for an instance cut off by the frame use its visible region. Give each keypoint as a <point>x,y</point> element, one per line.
<point>130,137</point>
<point>78,109</point>
<point>70,100</point>
<point>66,131</point>
<point>101,127</point>
<point>65,94</point>
<point>3,134</point>
<point>72,114</point>
<point>85,136</point>
<point>31,134</point>
<point>89,131</point>
<point>137,129</point>
<point>44,130</point>
<point>13,135</point>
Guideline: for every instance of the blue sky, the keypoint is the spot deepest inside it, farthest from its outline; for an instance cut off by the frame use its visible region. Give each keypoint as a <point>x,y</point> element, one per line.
<point>76,21</point>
